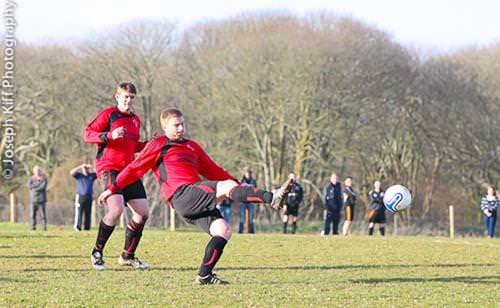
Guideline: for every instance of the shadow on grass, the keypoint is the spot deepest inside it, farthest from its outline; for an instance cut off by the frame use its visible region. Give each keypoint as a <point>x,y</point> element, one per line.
<point>7,236</point>
<point>13,280</point>
<point>322,268</point>
<point>460,279</point>
<point>352,266</point>
<point>40,256</point>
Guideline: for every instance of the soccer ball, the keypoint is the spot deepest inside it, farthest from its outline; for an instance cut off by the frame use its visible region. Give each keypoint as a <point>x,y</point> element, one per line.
<point>397,198</point>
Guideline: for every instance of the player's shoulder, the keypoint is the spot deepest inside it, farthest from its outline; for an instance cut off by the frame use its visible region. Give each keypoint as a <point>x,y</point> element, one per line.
<point>109,110</point>
<point>157,141</point>
<point>191,143</point>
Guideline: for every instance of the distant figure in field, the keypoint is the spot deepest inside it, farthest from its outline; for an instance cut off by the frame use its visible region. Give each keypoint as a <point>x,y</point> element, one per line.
<point>332,200</point>
<point>349,203</point>
<point>292,203</point>
<point>489,206</point>
<point>377,209</point>
<point>37,185</point>
<point>249,207</point>
<point>85,178</point>
<point>225,209</point>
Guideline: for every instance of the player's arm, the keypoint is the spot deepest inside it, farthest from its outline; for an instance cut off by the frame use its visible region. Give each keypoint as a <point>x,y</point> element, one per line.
<point>300,194</point>
<point>139,146</point>
<point>97,131</point>
<point>209,169</point>
<point>144,162</point>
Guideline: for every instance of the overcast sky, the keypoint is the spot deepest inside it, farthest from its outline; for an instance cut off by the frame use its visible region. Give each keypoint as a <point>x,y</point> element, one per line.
<point>440,25</point>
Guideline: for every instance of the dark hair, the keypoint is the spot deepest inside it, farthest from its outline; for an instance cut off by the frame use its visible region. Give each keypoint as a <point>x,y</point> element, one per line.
<point>126,86</point>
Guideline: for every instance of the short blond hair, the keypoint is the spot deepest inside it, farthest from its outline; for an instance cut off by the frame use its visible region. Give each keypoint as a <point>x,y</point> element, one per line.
<point>168,113</point>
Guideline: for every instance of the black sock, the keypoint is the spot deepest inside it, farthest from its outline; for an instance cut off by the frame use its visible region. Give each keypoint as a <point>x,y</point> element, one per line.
<point>370,231</point>
<point>250,194</point>
<point>382,231</point>
<point>214,250</point>
<point>103,235</point>
<point>285,225</point>
<point>133,235</point>
<point>294,227</point>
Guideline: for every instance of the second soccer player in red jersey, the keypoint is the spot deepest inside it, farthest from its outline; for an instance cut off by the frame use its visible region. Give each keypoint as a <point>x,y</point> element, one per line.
<point>115,131</point>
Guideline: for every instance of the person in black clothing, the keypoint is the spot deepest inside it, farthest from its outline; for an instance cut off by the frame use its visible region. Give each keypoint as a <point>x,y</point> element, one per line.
<point>292,203</point>
<point>349,203</point>
<point>85,178</point>
<point>248,207</point>
<point>332,200</point>
<point>377,209</point>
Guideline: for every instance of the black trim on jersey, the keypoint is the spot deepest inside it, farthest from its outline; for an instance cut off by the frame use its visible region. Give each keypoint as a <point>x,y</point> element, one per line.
<point>160,164</point>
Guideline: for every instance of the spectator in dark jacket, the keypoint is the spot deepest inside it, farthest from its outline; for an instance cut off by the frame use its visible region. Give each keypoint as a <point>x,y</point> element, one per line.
<point>332,200</point>
<point>85,177</point>
<point>292,204</point>
<point>489,206</point>
<point>37,185</point>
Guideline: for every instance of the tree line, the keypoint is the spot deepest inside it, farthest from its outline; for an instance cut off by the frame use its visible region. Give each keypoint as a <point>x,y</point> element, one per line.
<point>278,93</point>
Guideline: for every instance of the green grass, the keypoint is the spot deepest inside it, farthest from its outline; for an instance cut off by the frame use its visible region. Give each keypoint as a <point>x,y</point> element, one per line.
<point>53,269</point>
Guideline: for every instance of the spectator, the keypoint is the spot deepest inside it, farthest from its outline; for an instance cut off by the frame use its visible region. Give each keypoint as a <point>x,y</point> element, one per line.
<point>85,178</point>
<point>349,202</point>
<point>247,180</point>
<point>225,209</point>
<point>332,200</point>
<point>377,209</point>
<point>38,196</point>
<point>489,206</point>
<point>292,204</point>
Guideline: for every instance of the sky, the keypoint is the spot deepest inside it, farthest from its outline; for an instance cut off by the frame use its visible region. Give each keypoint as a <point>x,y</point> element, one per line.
<point>439,25</point>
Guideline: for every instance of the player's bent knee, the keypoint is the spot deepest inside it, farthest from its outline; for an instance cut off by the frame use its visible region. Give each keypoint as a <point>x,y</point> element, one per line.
<point>220,228</point>
<point>224,187</point>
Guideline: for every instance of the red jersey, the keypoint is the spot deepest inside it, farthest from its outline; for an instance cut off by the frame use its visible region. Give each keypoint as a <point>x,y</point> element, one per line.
<point>118,153</point>
<point>174,163</point>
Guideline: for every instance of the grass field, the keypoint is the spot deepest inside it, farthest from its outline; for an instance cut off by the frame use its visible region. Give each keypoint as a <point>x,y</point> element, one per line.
<point>53,269</point>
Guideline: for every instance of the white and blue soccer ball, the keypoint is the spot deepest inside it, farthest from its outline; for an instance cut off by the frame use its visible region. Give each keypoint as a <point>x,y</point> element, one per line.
<point>397,198</point>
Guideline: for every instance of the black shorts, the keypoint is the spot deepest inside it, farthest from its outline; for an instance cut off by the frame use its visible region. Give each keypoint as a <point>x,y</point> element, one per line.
<point>377,216</point>
<point>292,210</point>
<point>196,203</point>
<point>349,212</point>
<point>133,191</point>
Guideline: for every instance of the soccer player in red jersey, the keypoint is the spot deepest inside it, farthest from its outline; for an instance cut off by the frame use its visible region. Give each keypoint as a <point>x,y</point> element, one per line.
<point>177,164</point>
<point>116,131</point>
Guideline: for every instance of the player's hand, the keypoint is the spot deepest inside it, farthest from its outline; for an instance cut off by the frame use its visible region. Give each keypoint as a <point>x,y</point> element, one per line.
<point>103,196</point>
<point>118,132</point>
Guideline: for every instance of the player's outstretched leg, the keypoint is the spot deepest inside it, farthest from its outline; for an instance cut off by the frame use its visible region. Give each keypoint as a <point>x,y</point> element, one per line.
<point>239,193</point>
